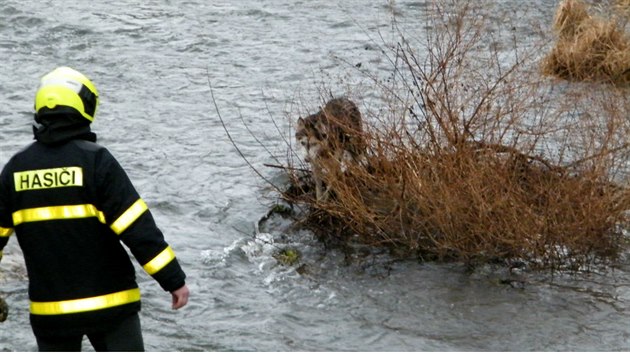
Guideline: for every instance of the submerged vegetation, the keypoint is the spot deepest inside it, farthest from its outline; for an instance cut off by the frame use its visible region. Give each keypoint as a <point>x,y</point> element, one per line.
<point>472,155</point>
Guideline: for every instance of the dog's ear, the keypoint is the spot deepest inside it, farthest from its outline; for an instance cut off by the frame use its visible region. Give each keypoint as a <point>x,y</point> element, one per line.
<point>300,122</point>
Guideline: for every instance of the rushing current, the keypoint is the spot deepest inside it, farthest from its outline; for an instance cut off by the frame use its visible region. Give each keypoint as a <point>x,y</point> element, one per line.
<point>158,64</point>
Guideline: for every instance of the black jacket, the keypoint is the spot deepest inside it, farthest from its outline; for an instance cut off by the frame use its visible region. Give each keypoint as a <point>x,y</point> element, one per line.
<point>71,204</point>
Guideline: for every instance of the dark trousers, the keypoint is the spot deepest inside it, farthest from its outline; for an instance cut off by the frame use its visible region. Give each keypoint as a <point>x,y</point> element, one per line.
<point>125,337</point>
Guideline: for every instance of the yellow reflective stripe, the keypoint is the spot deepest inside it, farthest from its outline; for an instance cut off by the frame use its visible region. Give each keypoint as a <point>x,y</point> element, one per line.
<point>5,232</point>
<point>129,216</point>
<point>160,261</point>
<point>57,213</point>
<point>87,304</point>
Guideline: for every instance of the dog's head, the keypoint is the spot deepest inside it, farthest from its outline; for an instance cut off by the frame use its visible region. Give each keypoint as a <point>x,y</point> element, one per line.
<point>312,136</point>
<point>336,128</point>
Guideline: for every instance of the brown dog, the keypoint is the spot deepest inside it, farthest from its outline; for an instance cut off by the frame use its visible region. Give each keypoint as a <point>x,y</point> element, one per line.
<point>331,138</point>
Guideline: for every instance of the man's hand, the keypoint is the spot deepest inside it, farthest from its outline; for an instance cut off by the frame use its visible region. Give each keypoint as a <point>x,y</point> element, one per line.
<point>180,297</point>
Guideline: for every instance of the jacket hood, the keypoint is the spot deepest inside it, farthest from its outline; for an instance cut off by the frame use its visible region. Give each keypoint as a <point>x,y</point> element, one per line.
<point>58,128</point>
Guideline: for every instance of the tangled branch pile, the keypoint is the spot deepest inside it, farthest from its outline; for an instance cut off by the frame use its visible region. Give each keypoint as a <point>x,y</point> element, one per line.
<point>590,48</point>
<point>476,159</point>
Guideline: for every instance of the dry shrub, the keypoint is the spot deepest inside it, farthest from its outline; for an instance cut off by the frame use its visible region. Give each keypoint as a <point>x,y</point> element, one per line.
<point>623,7</point>
<point>589,48</point>
<point>475,158</point>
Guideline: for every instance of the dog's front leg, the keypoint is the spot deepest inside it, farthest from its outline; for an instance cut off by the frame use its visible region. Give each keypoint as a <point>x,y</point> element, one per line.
<point>321,190</point>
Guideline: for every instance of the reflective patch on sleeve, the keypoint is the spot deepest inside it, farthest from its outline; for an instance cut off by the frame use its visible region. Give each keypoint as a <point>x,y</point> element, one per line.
<point>160,261</point>
<point>48,178</point>
<point>57,213</point>
<point>129,216</point>
<point>5,232</point>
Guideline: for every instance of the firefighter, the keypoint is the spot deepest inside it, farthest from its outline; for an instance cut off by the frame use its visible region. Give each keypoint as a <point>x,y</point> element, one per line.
<point>71,204</point>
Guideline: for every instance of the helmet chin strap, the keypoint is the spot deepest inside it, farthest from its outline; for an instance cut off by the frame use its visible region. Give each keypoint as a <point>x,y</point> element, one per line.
<point>37,122</point>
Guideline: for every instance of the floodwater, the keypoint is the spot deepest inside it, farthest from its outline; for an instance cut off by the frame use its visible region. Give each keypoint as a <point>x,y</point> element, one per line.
<point>155,63</point>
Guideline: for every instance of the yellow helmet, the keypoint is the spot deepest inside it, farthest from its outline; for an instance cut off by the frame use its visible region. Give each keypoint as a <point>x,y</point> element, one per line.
<point>66,87</point>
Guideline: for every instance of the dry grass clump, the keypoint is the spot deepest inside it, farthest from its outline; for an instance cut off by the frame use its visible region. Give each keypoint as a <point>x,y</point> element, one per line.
<point>622,6</point>
<point>589,48</point>
<point>474,159</point>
